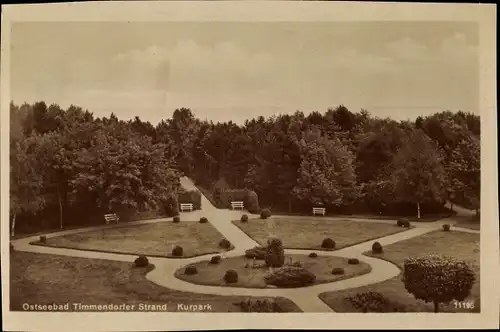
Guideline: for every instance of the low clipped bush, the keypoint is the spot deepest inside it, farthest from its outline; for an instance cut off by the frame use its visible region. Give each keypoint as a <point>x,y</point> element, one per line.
<point>313,255</point>
<point>190,270</point>
<point>177,251</point>
<point>289,277</point>
<point>438,279</point>
<point>244,218</point>
<point>265,213</point>
<point>231,276</point>
<point>258,306</point>
<point>338,271</point>
<point>203,220</point>
<point>373,302</point>
<point>403,222</point>
<point>141,261</point>
<point>377,248</point>
<point>215,259</point>
<point>43,239</point>
<point>225,244</point>
<point>275,253</point>
<point>353,261</point>
<point>328,243</point>
<point>177,219</point>
<point>256,252</point>
<point>446,227</point>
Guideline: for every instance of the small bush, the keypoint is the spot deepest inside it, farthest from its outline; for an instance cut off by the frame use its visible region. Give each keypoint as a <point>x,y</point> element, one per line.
<point>43,239</point>
<point>290,276</point>
<point>141,261</point>
<point>313,255</point>
<point>338,271</point>
<point>256,252</point>
<point>225,244</point>
<point>446,227</point>
<point>177,251</point>
<point>215,259</point>
<point>265,213</point>
<point>247,266</point>
<point>403,222</point>
<point>190,270</point>
<point>377,248</point>
<point>275,253</point>
<point>231,276</point>
<point>353,261</point>
<point>203,220</point>
<point>252,202</point>
<point>177,219</point>
<point>373,302</point>
<point>258,306</point>
<point>328,243</point>
<point>244,218</point>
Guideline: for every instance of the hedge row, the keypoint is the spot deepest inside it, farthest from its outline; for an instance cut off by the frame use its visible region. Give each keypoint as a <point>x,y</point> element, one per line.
<point>224,197</point>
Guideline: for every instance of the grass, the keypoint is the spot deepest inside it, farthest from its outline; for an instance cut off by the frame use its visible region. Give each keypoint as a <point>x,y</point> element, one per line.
<point>321,266</point>
<point>155,239</point>
<point>470,222</point>
<point>456,244</point>
<point>51,279</point>
<point>308,233</point>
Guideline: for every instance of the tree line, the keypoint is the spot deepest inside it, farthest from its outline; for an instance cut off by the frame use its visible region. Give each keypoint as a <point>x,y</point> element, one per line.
<point>68,166</point>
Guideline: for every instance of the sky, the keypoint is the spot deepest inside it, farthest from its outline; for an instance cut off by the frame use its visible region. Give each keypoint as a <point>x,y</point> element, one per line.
<point>237,70</point>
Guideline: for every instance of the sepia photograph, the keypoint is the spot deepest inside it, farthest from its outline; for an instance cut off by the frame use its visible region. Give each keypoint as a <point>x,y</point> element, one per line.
<point>197,160</point>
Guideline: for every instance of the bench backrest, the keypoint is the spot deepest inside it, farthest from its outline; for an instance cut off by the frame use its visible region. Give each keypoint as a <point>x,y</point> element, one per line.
<point>318,209</point>
<point>237,203</point>
<point>111,216</point>
<point>186,205</point>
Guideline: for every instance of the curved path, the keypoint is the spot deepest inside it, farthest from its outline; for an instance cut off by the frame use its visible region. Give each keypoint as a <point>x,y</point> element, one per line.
<point>306,297</point>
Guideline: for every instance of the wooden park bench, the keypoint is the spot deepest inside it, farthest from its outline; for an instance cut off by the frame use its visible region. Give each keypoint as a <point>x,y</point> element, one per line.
<point>111,217</point>
<point>235,205</point>
<point>317,210</point>
<point>186,206</point>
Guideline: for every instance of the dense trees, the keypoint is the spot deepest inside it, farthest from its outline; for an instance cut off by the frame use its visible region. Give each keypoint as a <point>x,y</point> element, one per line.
<point>67,163</point>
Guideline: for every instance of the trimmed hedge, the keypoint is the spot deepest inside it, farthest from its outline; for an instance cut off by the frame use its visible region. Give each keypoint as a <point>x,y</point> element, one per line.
<point>190,270</point>
<point>256,252</point>
<point>373,302</point>
<point>141,261</point>
<point>403,222</point>
<point>338,271</point>
<point>313,255</point>
<point>176,219</point>
<point>446,227</point>
<point>290,276</point>
<point>353,261</point>
<point>377,248</point>
<point>225,244</point>
<point>203,220</point>
<point>177,251</point>
<point>328,243</point>
<point>231,276</point>
<point>190,196</point>
<point>244,218</point>
<point>265,213</point>
<point>258,306</point>
<point>215,259</point>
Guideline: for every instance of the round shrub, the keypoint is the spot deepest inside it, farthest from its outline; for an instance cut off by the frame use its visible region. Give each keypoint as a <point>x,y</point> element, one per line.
<point>275,253</point>
<point>403,222</point>
<point>43,239</point>
<point>244,218</point>
<point>290,276</point>
<point>265,213</point>
<point>141,261</point>
<point>438,279</point>
<point>177,219</point>
<point>377,248</point>
<point>190,270</point>
<point>225,244</point>
<point>231,276</point>
<point>353,261</point>
<point>338,271</point>
<point>328,243</point>
<point>203,220</point>
<point>256,252</point>
<point>374,302</point>
<point>215,259</point>
<point>177,251</point>
<point>313,255</point>
<point>446,227</point>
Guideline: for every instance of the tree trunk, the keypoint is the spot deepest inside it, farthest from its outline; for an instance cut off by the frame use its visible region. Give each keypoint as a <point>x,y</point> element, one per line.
<point>12,231</point>
<point>436,306</point>
<point>60,208</point>
<point>418,210</point>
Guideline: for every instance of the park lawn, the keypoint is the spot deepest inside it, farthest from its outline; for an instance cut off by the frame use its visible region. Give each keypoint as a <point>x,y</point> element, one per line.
<point>321,266</point>
<point>155,239</point>
<point>309,233</point>
<point>52,279</point>
<point>456,244</point>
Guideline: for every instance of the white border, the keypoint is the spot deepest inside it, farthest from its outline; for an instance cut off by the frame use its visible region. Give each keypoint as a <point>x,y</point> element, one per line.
<point>251,11</point>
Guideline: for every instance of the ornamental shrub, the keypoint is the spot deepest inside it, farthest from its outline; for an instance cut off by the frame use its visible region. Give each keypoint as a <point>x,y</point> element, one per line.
<point>446,227</point>
<point>313,255</point>
<point>43,239</point>
<point>170,206</point>
<point>289,277</point>
<point>403,222</point>
<point>231,276</point>
<point>176,219</point>
<point>177,251</point>
<point>265,213</point>
<point>256,252</point>
<point>338,271</point>
<point>258,306</point>
<point>225,244</point>
<point>215,259</point>
<point>373,302</point>
<point>275,253</point>
<point>328,243</point>
<point>141,261</point>
<point>244,218</point>
<point>203,220</point>
<point>377,248</point>
<point>353,261</point>
<point>190,270</point>
<point>438,279</point>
